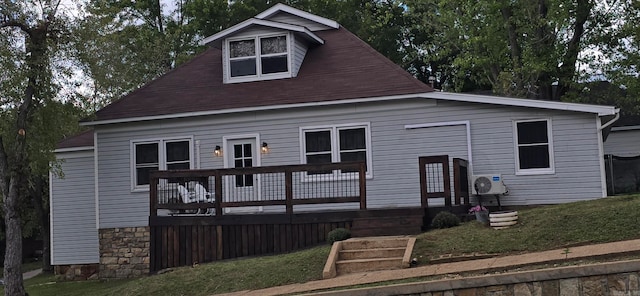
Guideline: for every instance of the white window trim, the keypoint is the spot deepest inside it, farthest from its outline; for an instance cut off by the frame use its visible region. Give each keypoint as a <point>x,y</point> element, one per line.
<point>335,153</point>
<point>542,171</point>
<point>162,163</point>
<point>259,76</point>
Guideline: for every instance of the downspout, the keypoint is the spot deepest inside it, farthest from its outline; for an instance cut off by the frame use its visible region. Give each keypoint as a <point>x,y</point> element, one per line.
<point>610,122</point>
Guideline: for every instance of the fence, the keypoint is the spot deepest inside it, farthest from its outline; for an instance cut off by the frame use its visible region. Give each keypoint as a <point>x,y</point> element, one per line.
<point>623,174</point>
<point>273,189</point>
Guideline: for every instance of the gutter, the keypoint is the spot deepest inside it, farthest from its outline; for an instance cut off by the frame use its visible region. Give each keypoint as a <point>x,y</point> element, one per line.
<point>610,122</point>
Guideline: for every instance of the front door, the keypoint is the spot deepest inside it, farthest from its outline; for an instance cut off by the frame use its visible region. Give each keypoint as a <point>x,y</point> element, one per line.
<point>242,153</point>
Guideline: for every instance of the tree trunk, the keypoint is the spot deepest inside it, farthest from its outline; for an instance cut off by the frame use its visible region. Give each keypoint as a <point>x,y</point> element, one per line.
<point>37,199</point>
<point>14,285</point>
<point>15,175</point>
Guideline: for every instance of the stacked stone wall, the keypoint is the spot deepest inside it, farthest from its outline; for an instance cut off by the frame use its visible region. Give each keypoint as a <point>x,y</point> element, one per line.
<point>124,252</point>
<point>604,285</point>
<point>75,272</point>
<point>599,279</point>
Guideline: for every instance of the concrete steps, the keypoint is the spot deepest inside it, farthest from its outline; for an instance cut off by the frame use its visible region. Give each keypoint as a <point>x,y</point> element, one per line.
<point>368,254</point>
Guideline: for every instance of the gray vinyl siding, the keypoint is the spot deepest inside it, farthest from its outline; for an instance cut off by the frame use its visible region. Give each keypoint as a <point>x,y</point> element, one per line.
<point>623,143</point>
<point>74,236</point>
<point>299,51</point>
<point>287,18</point>
<point>395,150</point>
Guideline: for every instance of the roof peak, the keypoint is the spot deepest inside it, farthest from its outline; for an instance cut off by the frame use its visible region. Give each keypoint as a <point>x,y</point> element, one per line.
<point>264,19</point>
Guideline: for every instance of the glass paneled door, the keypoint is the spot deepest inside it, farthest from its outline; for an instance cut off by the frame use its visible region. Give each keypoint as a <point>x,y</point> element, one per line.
<point>242,153</point>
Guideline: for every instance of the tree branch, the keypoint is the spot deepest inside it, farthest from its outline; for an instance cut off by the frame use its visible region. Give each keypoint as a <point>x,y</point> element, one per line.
<point>15,24</point>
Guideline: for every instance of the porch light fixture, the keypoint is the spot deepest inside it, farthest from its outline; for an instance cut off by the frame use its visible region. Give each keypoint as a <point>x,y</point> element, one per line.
<point>265,147</point>
<point>218,151</point>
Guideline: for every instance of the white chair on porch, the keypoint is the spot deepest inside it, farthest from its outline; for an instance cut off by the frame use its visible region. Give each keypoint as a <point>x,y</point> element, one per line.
<point>199,195</point>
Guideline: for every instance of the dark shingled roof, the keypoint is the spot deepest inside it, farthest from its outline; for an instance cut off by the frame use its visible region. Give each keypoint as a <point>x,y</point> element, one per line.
<point>345,67</point>
<point>83,139</point>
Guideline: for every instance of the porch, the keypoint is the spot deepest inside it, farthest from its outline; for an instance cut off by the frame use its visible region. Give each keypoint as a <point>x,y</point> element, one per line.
<point>206,215</point>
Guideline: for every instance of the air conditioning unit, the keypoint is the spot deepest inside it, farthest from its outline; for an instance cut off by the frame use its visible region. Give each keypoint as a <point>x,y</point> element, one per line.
<point>488,185</point>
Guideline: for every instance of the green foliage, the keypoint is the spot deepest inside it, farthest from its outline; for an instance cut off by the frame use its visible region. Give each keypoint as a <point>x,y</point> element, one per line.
<point>338,234</point>
<point>517,48</point>
<point>445,220</point>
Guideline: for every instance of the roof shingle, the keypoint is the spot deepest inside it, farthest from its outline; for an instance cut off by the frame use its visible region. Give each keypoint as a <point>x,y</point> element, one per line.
<point>345,67</point>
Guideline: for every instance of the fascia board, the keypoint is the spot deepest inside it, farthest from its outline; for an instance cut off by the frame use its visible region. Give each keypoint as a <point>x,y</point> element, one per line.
<point>299,13</point>
<point>253,22</point>
<point>252,109</point>
<point>507,101</point>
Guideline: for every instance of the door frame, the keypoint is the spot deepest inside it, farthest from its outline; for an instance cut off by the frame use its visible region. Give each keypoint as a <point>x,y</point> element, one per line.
<point>258,162</point>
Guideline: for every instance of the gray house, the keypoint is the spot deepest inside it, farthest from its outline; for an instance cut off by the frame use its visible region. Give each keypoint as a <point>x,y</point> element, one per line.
<point>288,91</point>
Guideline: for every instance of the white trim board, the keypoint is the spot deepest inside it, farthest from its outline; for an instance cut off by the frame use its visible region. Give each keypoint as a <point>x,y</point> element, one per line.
<point>96,179</point>
<point>467,125</point>
<point>600,110</point>
<point>260,22</point>
<point>596,109</point>
<point>73,149</point>
<point>297,12</point>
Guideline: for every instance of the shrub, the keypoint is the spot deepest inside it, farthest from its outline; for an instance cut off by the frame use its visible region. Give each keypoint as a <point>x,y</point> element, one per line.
<point>338,234</point>
<point>445,220</point>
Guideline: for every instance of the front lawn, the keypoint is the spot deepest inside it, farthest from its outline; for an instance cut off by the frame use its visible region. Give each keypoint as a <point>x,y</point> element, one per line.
<point>543,228</point>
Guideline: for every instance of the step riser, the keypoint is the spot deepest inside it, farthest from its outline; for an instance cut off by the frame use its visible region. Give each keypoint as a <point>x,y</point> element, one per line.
<point>375,244</point>
<point>369,254</point>
<point>353,267</point>
<point>382,231</point>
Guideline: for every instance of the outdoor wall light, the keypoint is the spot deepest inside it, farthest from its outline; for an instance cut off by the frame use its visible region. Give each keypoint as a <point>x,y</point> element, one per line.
<point>218,151</point>
<point>265,147</point>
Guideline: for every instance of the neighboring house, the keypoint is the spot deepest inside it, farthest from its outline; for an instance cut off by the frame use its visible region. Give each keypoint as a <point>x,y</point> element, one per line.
<point>622,156</point>
<point>310,92</point>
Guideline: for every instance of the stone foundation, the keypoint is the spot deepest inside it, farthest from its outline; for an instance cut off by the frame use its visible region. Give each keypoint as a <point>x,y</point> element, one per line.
<point>124,252</point>
<point>599,279</point>
<point>76,272</point>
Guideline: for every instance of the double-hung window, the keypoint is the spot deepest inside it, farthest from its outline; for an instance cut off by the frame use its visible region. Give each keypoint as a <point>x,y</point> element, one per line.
<point>340,143</point>
<point>534,147</point>
<point>148,156</point>
<point>258,57</point>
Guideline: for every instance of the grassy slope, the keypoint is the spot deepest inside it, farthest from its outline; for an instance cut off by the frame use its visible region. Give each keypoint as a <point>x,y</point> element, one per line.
<point>543,228</point>
<point>206,279</point>
<point>604,220</point>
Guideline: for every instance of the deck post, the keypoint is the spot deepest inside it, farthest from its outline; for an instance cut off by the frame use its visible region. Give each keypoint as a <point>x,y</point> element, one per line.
<point>362,178</point>
<point>288,185</point>
<point>153,195</point>
<point>218,201</point>
<point>423,183</point>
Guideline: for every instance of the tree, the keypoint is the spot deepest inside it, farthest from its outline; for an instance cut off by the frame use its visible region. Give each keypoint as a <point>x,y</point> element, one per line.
<point>521,48</point>
<point>33,30</point>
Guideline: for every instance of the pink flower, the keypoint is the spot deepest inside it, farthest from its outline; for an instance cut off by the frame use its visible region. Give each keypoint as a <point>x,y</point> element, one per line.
<point>476,209</point>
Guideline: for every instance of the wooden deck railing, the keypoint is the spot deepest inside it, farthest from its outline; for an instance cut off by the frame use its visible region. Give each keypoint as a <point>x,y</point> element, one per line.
<point>278,188</point>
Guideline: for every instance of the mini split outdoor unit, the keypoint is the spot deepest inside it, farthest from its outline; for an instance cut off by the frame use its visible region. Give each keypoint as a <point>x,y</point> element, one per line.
<point>488,185</point>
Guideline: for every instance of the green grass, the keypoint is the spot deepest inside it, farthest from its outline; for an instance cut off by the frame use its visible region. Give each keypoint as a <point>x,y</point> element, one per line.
<point>549,227</point>
<point>206,279</point>
<point>543,228</point>
<point>27,266</point>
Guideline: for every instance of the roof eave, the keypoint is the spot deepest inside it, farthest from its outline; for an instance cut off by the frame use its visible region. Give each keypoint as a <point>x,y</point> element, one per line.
<point>597,109</point>
<point>259,22</point>
<point>251,109</point>
<point>299,13</point>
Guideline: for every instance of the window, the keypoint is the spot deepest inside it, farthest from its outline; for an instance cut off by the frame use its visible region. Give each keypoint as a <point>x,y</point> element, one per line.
<point>344,143</point>
<point>258,57</point>
<point>156,155</point>
<point>534,151</point>
<point>243,158</point>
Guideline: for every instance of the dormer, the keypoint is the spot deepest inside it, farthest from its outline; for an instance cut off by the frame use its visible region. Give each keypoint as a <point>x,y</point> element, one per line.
<point>272,45</point>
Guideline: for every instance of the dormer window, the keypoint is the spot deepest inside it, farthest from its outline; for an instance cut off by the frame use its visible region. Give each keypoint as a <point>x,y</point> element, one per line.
<point>257,58</point>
